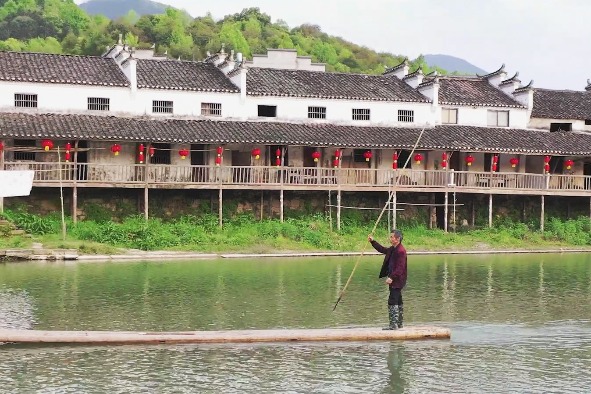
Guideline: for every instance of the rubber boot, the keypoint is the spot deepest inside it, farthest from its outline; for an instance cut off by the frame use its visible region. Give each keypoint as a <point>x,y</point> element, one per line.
<point>400,315</point>
<point>393,312</point>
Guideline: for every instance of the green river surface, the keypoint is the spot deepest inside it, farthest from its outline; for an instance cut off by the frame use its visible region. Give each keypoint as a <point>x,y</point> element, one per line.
<point>520,323</point>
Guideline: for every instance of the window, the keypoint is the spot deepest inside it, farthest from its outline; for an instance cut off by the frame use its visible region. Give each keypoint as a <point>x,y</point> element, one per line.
<point>316,112</point>
<point>405,115</point>
<point>98,104</point>
<point>561,127</point>
<point>587,122</point>
<point>161,154</point>
<point>25,100</point>
<point>162,107</point>
<point>498,118</point>
<point>449,116</point>
<point>268,111</point>
<point>360,114</point>
<point>24,150</point>
<point>211,109</point>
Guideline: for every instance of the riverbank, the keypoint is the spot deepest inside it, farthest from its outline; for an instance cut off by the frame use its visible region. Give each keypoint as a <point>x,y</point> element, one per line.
<point>162,255</point>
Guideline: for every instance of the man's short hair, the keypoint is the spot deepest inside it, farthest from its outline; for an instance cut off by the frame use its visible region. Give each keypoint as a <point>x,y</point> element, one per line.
<point>397,234</point>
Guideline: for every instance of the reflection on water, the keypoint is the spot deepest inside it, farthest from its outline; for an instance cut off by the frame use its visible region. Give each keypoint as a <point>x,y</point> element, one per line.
<point>519,324</point>
<point>16,309</point>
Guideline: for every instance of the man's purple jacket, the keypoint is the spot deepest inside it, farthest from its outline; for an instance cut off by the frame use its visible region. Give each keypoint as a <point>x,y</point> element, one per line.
<point>394,265</point>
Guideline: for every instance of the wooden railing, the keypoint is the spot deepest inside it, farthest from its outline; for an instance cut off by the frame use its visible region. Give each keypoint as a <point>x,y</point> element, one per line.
<point>304,177</point>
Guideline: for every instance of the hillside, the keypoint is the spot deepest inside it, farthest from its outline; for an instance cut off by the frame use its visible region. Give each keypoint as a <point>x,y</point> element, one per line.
<point>453,64</point>
<point>60,26</point>
<point>114,9</point>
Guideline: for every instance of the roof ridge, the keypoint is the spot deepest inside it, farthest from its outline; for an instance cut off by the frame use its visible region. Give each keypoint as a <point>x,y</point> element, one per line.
<point>56,54</point>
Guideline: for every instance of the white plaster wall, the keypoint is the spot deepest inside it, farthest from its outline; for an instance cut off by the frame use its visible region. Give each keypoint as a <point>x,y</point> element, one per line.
<point>340,111</point>
<point>186,103</point>
<point>544,124</point>
<point>478,116</point>
<point>64,98</point>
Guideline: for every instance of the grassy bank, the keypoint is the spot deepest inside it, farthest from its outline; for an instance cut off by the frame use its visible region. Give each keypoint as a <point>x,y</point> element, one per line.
<point>310,233</point>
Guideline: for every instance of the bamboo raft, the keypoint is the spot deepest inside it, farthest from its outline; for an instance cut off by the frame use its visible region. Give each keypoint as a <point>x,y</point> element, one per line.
<point>245,336</point>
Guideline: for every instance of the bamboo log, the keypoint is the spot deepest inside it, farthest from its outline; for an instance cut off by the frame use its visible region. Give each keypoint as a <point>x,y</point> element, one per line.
<point>246,336</point>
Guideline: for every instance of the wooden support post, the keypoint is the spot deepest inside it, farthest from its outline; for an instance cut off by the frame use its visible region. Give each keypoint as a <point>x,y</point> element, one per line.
<point>75,185</point>
<point>339,209</point>
<point>394,209</point>
<point>281,207</point>
<point>445,211</point>
<point>542,214</point>
<point>2,168</point>
<point>330,209</point>
<point>432,212</point>
<point>473,221</point>
<point>146,193</point>
<point>220,207</point>
<point>262,205</point>
<point>490,208</point>
<point>281,180</point>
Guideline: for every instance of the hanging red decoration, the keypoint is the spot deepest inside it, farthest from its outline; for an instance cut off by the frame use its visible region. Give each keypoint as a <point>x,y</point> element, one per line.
<point>368,155</point>
<point>47,144</point>
<point>337,154</point>
<point>418,158</point>
<point>547,164</point>
<point>395,161</point>
<point>1,146</point>
<point>151,151</point>
<point>569,164</point>
<point>278,157</point>
<point>335,163</point>
<point>141,149</point>
<point>256,153</point>
<point>547,159</point>
<point>469,160</point>
<point>495,159</point>
<point>67,156</point>
<point>218,158</point>
<point>116,148</point>
<point>443,160</point>
<point>514,161</point>
<point>316,156</point>
<point>183,153</point>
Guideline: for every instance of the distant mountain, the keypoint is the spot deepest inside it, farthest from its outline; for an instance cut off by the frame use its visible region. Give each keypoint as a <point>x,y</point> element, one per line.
<point>114,9</point>
<point>451,64</point>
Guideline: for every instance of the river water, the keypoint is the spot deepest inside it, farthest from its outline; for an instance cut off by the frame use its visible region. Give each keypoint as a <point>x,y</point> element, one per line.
<point>520,323</point>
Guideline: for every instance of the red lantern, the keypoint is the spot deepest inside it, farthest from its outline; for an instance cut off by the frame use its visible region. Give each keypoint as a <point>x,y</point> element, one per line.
<point>547,159</point>
<point>395,161</point>
<point>67,155</point>
<point>569,164</point>
<point>151,151</point>
<point>495,159</point>
<point>418,158</point>
<point>514,161</point>
<point>443,160</point>
<point>547,168</point>
<point>218,158</point>
<point>183,153</point>
<point>47,144</point>
<point>337,154</point>
<point>316,156</point>
<point>141,153</point>
<point>469,160</point>
<point>368,155</point>
<point>335,163</point>
<point>256,153</point>
<point>278,157</point>
<point>1,146</point>
<point>116,148</point>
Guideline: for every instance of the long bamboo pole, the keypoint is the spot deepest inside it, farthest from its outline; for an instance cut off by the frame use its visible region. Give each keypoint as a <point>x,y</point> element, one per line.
<point>376,224</point>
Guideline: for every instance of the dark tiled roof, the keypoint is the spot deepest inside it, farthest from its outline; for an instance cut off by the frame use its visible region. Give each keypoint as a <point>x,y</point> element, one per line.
<point>66,69</point>
<point>473,91</point>
<point>316,84</point>
<point>450,137</point>
<point>561,104</point>
<point>182,75</point>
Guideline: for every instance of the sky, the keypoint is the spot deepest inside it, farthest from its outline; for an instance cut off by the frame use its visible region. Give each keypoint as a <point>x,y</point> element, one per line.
<point>548,41</point>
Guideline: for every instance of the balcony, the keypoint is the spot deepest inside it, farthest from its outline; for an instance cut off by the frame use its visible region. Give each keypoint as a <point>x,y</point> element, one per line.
<point>300,178</point>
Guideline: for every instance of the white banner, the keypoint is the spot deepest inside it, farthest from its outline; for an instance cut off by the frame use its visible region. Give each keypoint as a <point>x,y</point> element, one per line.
<point>16,183</point>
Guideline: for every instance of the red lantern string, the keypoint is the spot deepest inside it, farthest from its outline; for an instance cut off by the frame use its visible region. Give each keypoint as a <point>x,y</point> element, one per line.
<point>278,157</point>
<point>443,160</point>
<point>151,151</point>
<point>141,153</point>
<point>218,159</point>
<point>395,161</point>
<point>67,155</point>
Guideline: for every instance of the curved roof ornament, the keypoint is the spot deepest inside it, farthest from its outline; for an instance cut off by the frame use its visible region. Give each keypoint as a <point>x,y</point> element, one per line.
<point>405,62</point>
<point>527,87</point>
<point>588,87</point>
<point>500,70</point>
